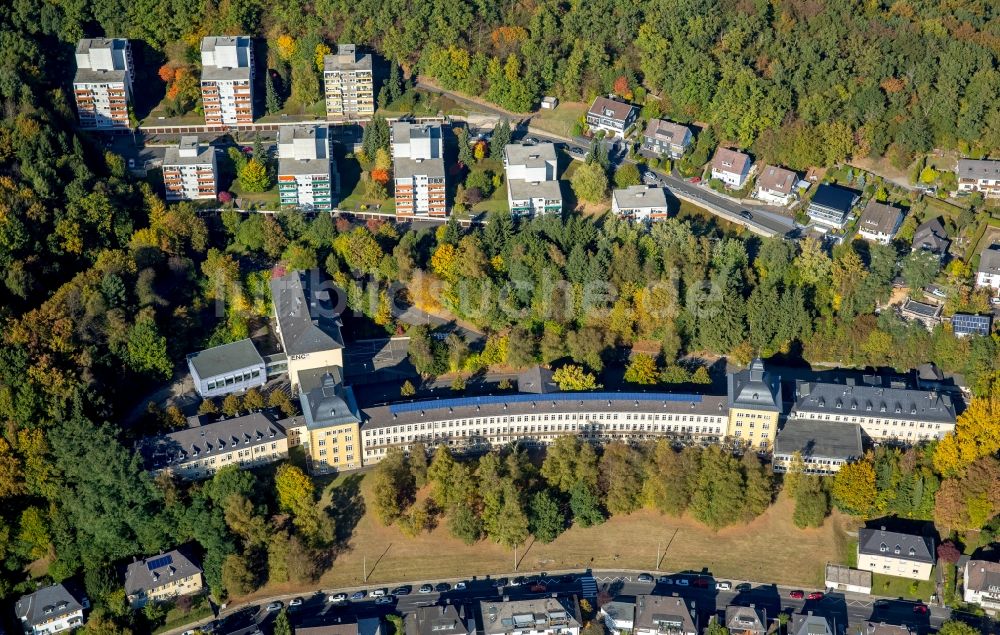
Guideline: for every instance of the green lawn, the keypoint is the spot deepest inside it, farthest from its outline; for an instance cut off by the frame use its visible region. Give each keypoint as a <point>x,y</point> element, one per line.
<point>265,200</point>
<point>496,203</point>
<point>560,121</point>
<point>891,586</point>
<point>176,617</point>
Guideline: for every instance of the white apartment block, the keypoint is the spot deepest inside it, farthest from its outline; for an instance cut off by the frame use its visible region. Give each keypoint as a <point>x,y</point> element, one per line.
<point>348,84</point>
<point>305,175</point>
<point>979,176</point>
<point>419,172</point>
<point>190,171</point>
<point>227,71</point>
<point>897,415</point>
<point>640,203</point>
<point>532,186</point>
<point>103,82</point>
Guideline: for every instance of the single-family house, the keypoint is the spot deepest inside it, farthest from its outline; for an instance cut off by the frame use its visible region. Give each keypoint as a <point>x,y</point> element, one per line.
<point>640,203</point>
<point>51,609</point>
<point>746,620</point>
<point>896,554</point>
<point>979,175</point>
<point>966,324</point>
<point>619,616</point>
<point>612,116</point>
<point>988,273</point>
<point>664,615</point>
<point>881,628</point>
<point>731,167</point>
<point>927,314</point>
<point>831,205</point>
<point>162,577</point>
<point>666,138</point>
<point>776,185</point>
<point>981,584</point>
<point>809,624</point>
<point>879,222</point>
<point>930,236</point>
<point>440,619</point>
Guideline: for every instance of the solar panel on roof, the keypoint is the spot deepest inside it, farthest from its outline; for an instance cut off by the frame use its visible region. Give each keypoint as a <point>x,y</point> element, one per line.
<point>461,402</point>
<point>156,563</point>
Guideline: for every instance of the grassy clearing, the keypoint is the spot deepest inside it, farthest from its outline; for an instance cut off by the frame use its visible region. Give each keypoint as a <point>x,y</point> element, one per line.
<point>265,200</point>
<point>891,586</point>
<point>560,121</point>
<point>629,542</point>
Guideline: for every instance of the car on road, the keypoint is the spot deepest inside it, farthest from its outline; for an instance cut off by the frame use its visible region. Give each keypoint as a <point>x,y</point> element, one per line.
<point>538,587</point>
<point>442,587</point>
<point>294,602</point>
<point>649,178</point>
<point>460,586</point>
<point>683,582</point>
<point>815,595</point>
<point>920,609</point>
<point>425,588</point>
<point>402,590</point>
<point>645,577</point>
<point>358,595</point>
<point>747,215</point>
<point>532,139</point>
<point>274,606</point>
<point>385,599</point>
<point>796,595</point>
<point>377,593</point>
<point>723,586</point>
<point>500,582</point>
<point>743,586</point>
<point>131,164</point>
<point>339,598</point>
<point>695,179</point>
<point>664,579</point>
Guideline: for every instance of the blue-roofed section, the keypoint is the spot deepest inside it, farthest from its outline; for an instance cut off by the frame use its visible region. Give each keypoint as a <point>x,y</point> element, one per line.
<point>490,400</point>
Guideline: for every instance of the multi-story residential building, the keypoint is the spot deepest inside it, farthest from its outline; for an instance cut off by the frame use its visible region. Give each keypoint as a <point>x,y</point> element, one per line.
<point>640,203</point>
<point>731,167</point>
<point>612,116</point>
<point>930,236</point>
<point>232,367</point>
<point>886,414</point>
<point>162,577</point>
<point>305,168</point>
<point>981,584</point>
<point>419,172</point>
<point>329,429</point>
<point>824,446</point>
<point>988,273</point>
<point>831,205</point>
<point>666,138</point>
<point>966,324</point>
<point>227,72</point>
<point>103,82</point>
<point>190,171</point>
<point>664,615</point>
<point>776,185</point>
<point>810,624</point>
<point>200,451</point>
<point>440,619</point>
<point>51,609</point>
<point>896,554</point>
<point>539,616</point>
<point>307,322</point>
<point>879,222</point>
<point>979,176</point>
<point>619,616</point>
<point>746,620</point>
<point>479,423</point>
<point>755,404</point>
<point>532,185</point>
<point>348,84</point>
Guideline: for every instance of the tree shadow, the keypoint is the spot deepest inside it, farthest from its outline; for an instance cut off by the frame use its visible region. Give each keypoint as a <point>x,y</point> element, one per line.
<point>347,507</point>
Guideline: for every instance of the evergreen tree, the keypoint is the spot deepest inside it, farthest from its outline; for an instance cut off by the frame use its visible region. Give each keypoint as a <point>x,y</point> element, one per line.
<point>272,102</point>
<point>546,520</point>
<point>500,139</point>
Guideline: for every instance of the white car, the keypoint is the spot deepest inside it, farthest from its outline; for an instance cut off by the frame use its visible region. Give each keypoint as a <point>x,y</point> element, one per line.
<point>339,598</point>
<point>723,586</point>
<point>460,586</point>
<point>377,593</point>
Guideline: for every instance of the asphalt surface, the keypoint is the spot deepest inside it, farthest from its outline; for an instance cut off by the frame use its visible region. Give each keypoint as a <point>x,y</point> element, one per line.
<point>843,611</point>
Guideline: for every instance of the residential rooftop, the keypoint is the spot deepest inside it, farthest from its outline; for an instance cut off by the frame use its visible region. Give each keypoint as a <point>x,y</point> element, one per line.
<point>661,613</point>
<point>668,131</point>
<point>189,152</point>
<point>776,179</point>
<point>978,169</point>
<point>404,168</point>
<point>989,260</point>
<point>729,160</point>
<point>523,190</point>
<point>611,109</point>
<point>49,603</point>
<point>556,613</point>
<point>880,542</point>
<point>983,576</point>
<point>640,196</point>
<point>156,571</point>
<point>834,197</point>
<point>931,236</point>
<point>439,619</point>
<point>879,218</point>
<point>226,358</point>
<point>347,58</point>
<point>530,155</point>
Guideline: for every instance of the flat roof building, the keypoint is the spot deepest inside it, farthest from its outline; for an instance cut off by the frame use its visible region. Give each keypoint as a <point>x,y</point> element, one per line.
<point>227,72</point>
<point>532,185</point>
<point>640,203</point>
<point>306,171</point>
<point>831,205</point>
<point>825,446</point>
<point>419,171</point>
<point>540,616</point>
<point>348,84</point>
<point>102,85</point>
<point>228,368</point>
<point>190,171</point>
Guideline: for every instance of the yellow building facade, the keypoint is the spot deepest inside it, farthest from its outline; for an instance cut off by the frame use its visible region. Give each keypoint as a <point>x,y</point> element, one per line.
<point>755,406</point>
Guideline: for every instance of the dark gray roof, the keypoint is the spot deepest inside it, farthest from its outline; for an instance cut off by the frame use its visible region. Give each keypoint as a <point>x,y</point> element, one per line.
<point>611,108</point>
<point>755,388</point>
<point>931,236</point>
<point>536,380</point>
<point>666,131</point>
<point>211,439</point>
<point>49,603</point>
<point>155,571</point>
<point>825,439</point>
<point>898,403</point>
<point>989,260</point>
<point>652,612</point>
<point>438,620</point>
<point>325,400</point>
<point>809,624</point>
<point>921,309</point>
<point>745,618</point>
<point>226,358</point>
<point>88,76</point>
<point>978,169</point>
<point>879,542</point>
<point>306,318</point>
<point>640,197</point>
<point>833,197</point>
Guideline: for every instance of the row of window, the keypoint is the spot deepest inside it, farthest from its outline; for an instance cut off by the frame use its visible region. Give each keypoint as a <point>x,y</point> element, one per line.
<point>234,379</point>
<point>568,417</point>
<point>869,420</point>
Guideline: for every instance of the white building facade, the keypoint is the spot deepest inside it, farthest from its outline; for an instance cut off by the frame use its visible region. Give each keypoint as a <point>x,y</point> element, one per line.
<point>305,175</point>
<point>102,85</point>
<point>190,171</point>
<point>227,72</point>
<point>532,187</point>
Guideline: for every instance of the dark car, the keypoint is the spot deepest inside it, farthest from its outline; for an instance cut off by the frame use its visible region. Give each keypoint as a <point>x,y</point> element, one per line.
<point>358,595</point>
<point>401,590</point>
<point>568,578</point>
<point>701,582</point>
<point>743,586</point>
<point>442,587</point>
<point>538,587</point>
<point>518,581</point>
<point>747,215</point>
<point>645,577</point>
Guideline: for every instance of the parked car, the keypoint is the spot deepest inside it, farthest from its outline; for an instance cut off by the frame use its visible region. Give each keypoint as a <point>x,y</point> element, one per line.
<point>460,586</point>
<point>377,593</point>
<point>920,609</point>
<point>743,586</point>
<point>500,582</point>
<point>815,595</point>
<point>683,582</point>
<point>358,595</point>
<point>747,215</point>
<point>442,587</point>
<point>385,599</point>
<point>402,590</point>
<point>425,588</point>
<point>645,577</point>
<point>695,179</point>
<point>796,595</point>
<point>518,581</point>
<point>723,586</point>
<point>664,579</point>
<point>294,602</point>
<point>274,606</point>
<point>339,598</point>
<point>538,587</point>
<point>131,164</point>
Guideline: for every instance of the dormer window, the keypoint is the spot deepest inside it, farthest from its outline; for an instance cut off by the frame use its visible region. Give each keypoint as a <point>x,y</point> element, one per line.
<point>883,548</point>
<point>913,551</point>
<point>897,550</point>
